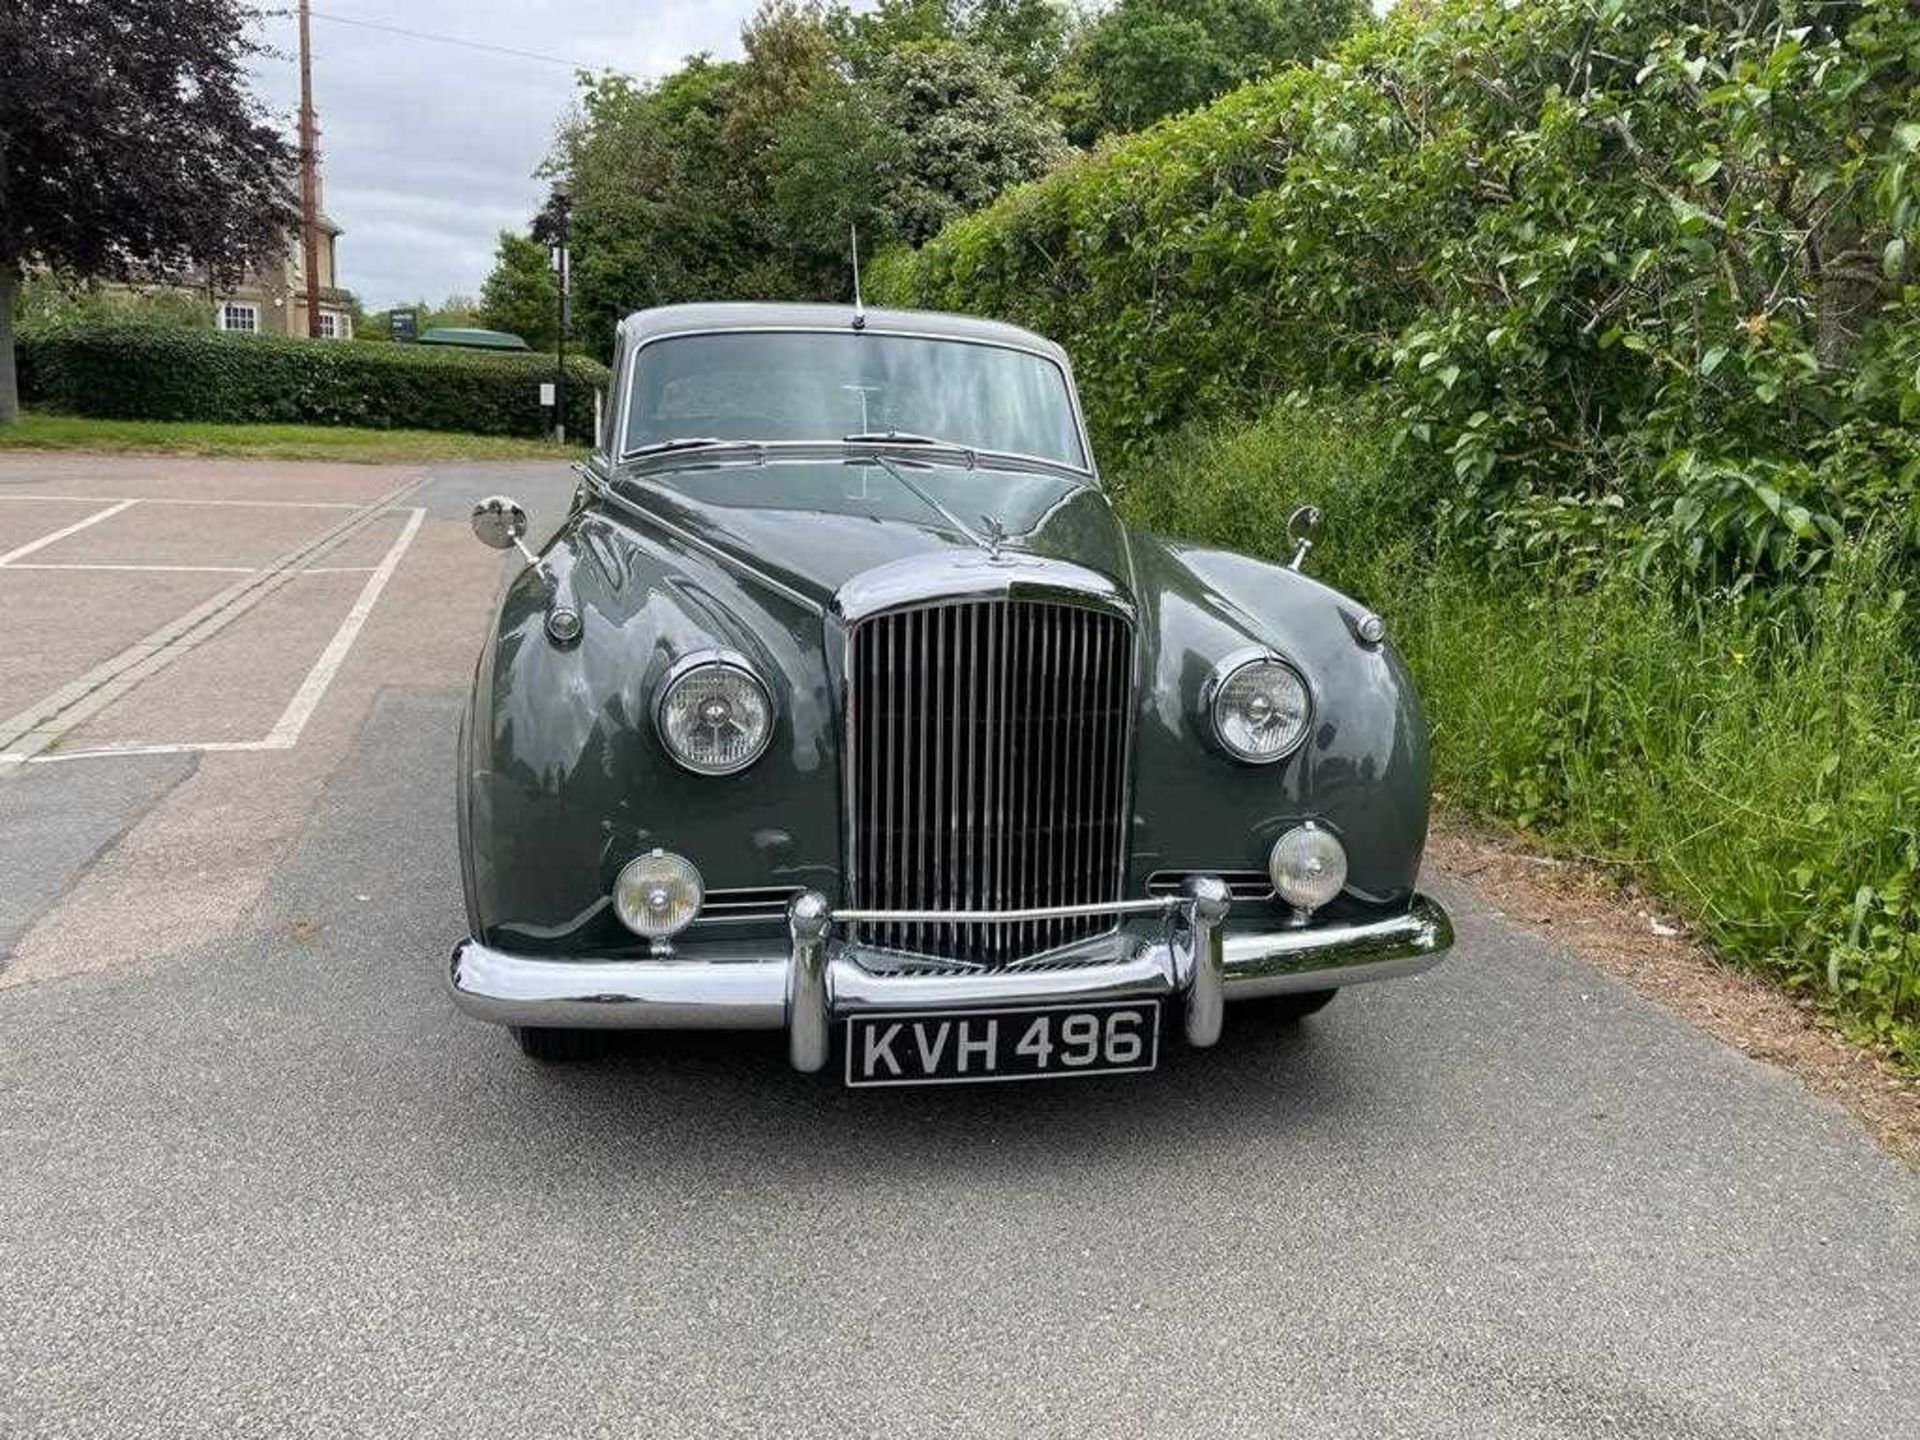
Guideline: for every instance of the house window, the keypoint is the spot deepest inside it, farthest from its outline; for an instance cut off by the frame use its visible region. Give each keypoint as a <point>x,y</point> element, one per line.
<point>235,316</point>
<point>330,326</point>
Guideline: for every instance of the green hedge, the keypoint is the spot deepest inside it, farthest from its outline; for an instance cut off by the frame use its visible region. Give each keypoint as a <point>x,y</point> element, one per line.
<point>148,372</point>
<point>1650,269</point>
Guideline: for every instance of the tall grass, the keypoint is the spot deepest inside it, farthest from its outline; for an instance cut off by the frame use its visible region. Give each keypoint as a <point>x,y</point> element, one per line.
<point>1761,776</point>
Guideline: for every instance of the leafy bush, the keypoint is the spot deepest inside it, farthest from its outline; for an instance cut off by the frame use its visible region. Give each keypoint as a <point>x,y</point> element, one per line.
<point>147,372</point>
<point>1564,241</point>
<point>1765,783</point>
<point>44,299</point>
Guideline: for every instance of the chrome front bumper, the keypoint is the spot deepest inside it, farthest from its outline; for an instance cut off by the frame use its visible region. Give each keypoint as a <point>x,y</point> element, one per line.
<point>1193,961</point>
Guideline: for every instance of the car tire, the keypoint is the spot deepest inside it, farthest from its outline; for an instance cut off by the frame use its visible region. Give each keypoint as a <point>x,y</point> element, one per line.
<point>555,1047</point>
<point>1299,1004</point>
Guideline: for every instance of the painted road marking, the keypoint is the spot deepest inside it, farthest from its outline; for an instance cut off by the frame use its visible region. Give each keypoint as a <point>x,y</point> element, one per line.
<point>40,726</point>
<point>286,730</point>
<point>184,569</point>
<point>182,500</point>
<point>61,534</point>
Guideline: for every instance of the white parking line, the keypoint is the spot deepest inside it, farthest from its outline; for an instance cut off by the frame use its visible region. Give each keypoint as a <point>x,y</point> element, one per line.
<point>182,500</point>
<point>186,569</point>
<point>41,726</point>
<point>62,533</point>
<point>286,730</point>
<point>294,719</point>
<point>162,569</point>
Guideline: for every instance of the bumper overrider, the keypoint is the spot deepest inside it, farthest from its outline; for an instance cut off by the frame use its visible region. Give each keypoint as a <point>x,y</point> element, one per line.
<point>1191,961</point>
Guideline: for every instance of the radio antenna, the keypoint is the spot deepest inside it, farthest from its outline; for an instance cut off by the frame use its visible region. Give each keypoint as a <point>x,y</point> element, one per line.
<point>859,310</point>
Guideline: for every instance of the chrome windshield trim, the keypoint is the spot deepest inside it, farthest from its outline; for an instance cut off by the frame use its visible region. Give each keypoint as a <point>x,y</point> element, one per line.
<point>770,452</point>
<point>1087,469</point>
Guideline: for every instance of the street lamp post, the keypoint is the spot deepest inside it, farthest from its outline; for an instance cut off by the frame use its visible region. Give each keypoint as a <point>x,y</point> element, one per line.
<point>562,210</point>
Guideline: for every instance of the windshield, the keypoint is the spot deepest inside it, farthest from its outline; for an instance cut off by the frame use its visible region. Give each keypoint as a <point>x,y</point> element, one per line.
<point>826,385</point>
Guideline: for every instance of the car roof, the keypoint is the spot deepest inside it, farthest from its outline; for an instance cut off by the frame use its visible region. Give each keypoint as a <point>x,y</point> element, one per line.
<point>643,325</point>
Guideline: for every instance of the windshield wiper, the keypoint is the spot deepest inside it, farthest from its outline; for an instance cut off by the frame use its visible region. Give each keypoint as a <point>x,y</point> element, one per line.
<point>896,437</point>
<point>689,442</point>
<point>990,542</point>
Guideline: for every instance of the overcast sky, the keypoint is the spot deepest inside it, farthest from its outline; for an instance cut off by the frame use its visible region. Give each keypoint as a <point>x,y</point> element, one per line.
<point>429,149</point>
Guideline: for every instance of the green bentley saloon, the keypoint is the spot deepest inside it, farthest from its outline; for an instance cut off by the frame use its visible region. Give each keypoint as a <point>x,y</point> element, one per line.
<point>843,704</point>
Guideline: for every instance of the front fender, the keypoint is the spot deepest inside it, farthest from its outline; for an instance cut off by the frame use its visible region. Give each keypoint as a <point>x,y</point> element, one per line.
<point>565,778</point>
<point>1363,769</point>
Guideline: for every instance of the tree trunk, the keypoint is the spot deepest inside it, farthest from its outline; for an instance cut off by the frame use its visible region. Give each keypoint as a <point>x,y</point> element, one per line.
<point>9,384</point>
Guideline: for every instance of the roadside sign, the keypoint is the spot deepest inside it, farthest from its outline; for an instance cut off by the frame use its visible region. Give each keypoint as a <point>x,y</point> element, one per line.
<point>403,326</point>
<point>546,392</point>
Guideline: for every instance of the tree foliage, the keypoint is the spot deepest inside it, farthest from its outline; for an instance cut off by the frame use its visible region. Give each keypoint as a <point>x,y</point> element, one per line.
<point>1143,60</point>
<point>519,294</point>
<point>130,144</point>
<point>740,179</point>
<point>958,132</point>
<point>46,299</point>
<point>1026,38</point>
<point>1635,275</point>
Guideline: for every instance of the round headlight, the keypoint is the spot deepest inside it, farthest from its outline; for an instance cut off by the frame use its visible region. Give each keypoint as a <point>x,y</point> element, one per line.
<point>1261,710</point>
<point>716,717</point>
<point>1308,867</point>
<point>658,894</point>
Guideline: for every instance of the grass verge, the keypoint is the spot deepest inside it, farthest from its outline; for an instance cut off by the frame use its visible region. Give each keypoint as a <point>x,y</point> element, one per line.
<point>42,431</point>
<point>1764,785</point>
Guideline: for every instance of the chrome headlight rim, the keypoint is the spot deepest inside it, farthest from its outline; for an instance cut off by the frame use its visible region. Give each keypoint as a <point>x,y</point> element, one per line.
<point>1223,674</point>
<point>685,667</point>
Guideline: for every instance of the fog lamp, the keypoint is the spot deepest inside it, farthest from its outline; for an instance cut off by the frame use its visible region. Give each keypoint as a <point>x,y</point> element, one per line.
<point>1308,867</point>
<point>657,896</point>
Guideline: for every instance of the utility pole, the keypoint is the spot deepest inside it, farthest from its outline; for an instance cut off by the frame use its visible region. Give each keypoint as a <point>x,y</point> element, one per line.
<point>309,180</point>
<point>563,275</point>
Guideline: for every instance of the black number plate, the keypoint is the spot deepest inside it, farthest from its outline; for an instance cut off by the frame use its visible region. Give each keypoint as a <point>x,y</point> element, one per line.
<point>1047,1042</point>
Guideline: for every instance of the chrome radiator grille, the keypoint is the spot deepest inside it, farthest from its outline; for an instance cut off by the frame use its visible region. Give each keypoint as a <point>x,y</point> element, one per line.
<point>986,769</point>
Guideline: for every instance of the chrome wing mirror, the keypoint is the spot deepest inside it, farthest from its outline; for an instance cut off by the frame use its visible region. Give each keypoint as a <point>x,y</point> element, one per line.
<point>1302,526</point>
<point>500,523</point>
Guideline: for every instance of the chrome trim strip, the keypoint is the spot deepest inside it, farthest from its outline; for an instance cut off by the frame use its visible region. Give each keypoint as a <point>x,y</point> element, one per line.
<point>960,577</point>
<point>1030,915</point>
<point>1241,884</point>
<point>1149,971</point>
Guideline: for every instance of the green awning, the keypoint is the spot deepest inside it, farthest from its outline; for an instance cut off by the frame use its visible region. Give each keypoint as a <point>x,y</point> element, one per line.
<point>473,339</point>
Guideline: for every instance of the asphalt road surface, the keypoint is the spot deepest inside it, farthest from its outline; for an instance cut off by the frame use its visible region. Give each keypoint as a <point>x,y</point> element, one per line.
<point>257,1178</point>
